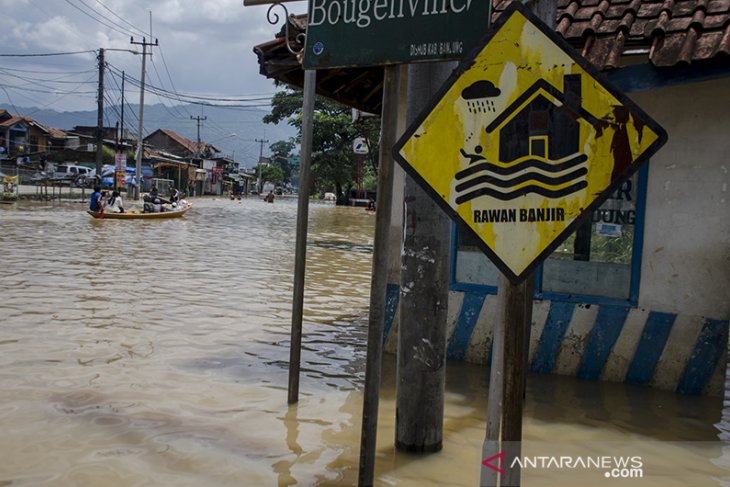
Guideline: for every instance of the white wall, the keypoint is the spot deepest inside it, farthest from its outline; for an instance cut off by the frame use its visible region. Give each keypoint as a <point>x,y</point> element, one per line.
<point>686,257</point>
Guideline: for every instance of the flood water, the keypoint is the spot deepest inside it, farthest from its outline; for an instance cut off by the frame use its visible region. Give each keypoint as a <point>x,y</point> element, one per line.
<point>154,353</point>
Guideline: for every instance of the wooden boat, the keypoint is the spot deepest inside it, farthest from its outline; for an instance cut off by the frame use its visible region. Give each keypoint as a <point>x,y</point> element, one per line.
<point>138,215</point>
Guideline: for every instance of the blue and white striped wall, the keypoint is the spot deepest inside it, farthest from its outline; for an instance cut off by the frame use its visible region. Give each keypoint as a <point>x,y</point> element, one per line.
<point>668,351</point>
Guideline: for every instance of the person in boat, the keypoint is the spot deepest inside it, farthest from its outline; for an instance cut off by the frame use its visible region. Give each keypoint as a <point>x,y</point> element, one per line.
<point>94,199</point>
<point>101,201</point>
<point>115,203</point>
<point>174,195</point>
<point>269,198</point>
<point>153,205</point>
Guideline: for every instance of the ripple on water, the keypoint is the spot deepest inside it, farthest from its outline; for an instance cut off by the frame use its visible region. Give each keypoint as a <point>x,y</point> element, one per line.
<point>157,353</point>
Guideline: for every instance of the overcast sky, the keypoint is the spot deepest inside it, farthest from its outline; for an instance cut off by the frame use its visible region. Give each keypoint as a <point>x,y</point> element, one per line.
<point>205,49</point>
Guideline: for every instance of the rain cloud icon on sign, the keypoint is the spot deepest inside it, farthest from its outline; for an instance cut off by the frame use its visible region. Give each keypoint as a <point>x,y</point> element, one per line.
<point>478,95</point>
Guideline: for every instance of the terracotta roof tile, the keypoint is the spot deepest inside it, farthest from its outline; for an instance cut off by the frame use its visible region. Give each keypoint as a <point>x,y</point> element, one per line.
<point>724,44</point>
<point>11,121</point>
<point>609,27</point>
<point>718,6</point>
<point>57,133</point>
<point>649,10</point>
<point>637,28</point>
<point>673,31</point>
<point>679,25</point>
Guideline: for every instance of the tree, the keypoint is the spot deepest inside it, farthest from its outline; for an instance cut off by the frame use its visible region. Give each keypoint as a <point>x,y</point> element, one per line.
<point>270,173</point>
<point>332,138</point>
<point>281,151</point>
<point>282,148</point>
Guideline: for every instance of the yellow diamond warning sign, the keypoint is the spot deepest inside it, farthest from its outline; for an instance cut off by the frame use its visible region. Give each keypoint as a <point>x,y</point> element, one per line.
<point>523,139</point>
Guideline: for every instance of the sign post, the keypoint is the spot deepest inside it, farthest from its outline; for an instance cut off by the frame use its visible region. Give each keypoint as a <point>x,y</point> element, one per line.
<point>521,144</point>
<point>300,259</point>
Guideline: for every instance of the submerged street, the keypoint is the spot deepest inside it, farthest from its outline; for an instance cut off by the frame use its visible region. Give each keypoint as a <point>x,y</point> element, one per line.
<point>137,353</point>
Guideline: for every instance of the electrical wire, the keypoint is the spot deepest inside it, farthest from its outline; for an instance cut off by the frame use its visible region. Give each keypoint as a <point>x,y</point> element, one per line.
<point>46,72</point>
<point>172,83</point>
<point>192,98</point>
<point>139,31</point>
<point>110,26</point>
<point>15,109</point>
<point>46,54</point>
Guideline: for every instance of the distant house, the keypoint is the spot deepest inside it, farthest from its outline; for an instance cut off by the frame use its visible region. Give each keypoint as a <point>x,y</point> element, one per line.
<point>28,137</point>
<point>173,143</point>
<point>205,169</point>
<point>13,135</point>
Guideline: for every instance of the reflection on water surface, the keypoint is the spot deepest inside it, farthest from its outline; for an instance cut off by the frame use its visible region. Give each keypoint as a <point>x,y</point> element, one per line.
<point>155,353</point>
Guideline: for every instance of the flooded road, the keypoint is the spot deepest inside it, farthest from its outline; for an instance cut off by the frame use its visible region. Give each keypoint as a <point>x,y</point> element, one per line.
<point>154,353</point>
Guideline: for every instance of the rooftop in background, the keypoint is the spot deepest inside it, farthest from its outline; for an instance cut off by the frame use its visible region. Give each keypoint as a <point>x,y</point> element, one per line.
<point>608,33</point>
<point>669,32</point>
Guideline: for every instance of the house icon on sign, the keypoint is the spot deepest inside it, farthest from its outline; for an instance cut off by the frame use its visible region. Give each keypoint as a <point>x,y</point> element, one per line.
<point>543,123</point>
<point>539,152</point>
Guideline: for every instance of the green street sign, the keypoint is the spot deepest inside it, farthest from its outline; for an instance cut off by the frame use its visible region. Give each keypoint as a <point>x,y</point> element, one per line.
<point>346,33</point>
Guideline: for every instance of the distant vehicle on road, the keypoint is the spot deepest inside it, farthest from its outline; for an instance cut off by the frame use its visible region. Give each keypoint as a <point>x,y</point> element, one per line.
<point>71,171</point>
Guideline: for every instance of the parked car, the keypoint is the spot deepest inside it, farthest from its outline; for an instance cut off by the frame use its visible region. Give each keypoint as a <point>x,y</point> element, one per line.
<point>81,176</point>
<point>71,171</point>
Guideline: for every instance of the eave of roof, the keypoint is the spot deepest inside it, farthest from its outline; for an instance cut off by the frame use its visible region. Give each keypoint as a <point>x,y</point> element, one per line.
<point>669,33</point>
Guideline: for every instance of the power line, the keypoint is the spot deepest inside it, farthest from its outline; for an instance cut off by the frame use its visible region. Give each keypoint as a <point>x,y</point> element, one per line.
<point>50,90</point>
<point>184,97</point>
<point>172,83</point>
<point>61,97</point>
<point>45,54</point>
<point>46,72</point>
<point>174,107</point>
<point>139,31</point>
<point>10,99</point>
<point>40,81</point>
<point>110,26</point>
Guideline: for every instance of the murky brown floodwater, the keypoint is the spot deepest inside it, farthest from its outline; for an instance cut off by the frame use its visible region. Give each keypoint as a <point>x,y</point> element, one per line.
<point>155,354</point>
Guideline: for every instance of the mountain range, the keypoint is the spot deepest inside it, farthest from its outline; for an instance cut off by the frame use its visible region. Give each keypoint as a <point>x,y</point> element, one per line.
<point>236,132</point>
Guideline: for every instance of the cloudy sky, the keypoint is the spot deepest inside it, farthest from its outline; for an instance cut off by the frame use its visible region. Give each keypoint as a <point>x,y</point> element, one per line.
<point>205,50</point>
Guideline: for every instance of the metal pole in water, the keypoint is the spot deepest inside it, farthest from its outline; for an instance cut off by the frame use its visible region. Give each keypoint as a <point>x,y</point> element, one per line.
<point>509,366</point>
<point>379,279</point>
<point>295,349</point>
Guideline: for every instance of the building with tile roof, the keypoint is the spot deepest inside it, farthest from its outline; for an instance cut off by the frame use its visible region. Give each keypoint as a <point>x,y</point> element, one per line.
<point>658,314</point>
<point>174,143</point>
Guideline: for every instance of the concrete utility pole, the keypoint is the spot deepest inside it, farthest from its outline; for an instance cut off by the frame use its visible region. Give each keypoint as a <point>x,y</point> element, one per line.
<point>421,373</point>
<point>121,136</point>
<point>100,117</point>
<point>260,185</point>
<point>140,135</point>
<point>199,121</point>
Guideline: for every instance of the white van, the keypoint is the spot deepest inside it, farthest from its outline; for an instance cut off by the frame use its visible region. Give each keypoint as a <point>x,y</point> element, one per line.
<point>74,174</point>
<point>71,171</point>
